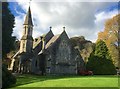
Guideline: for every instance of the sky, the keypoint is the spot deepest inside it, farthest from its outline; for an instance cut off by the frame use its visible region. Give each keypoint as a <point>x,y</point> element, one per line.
<point>79,18</point>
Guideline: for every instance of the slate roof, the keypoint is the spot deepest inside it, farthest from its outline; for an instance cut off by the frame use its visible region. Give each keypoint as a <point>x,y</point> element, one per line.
<point>28,19</point>
<point>52,40</point>
<point>35,43</point>
<point>39,38</point>
<point>16,54</point>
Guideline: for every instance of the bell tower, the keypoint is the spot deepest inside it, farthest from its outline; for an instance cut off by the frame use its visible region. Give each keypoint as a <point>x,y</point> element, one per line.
<point>26,42</point>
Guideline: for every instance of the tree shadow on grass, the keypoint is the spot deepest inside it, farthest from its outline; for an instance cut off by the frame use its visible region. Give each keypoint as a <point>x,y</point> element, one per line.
<point>24,79</point>
<point>28,78</point>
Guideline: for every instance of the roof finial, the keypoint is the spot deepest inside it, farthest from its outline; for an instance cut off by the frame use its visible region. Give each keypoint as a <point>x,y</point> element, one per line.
<point>29,2</point>
<point>50,27</point>
<point>63,28</point>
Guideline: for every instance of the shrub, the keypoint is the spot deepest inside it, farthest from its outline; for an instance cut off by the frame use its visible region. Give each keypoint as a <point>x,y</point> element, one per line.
<point>101,66</point>
<point>7,78</point>
<point>85,72</point>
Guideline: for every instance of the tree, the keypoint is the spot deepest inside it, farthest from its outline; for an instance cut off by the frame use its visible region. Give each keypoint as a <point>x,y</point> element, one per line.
<point>100,61</point>
<point>7,29</point>
<point>84,46</point>
<point>7,78</point>
<point>101,50</point>
<point>111,37</point>
<point>7,43</point>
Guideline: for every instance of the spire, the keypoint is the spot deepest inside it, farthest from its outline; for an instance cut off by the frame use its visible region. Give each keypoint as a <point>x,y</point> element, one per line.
<point>28,19</point>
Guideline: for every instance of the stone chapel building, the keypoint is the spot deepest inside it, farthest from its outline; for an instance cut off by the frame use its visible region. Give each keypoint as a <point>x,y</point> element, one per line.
<point>47,54</point>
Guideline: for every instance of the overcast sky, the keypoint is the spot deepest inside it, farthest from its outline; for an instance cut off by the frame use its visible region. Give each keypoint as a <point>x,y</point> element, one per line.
<point>79,18</point>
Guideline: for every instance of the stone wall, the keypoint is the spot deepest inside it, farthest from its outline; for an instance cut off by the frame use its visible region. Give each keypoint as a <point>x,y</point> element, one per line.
<point>62,58</point>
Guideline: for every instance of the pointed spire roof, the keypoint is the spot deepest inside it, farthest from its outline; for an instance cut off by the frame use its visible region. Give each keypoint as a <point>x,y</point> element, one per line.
<point>28,19</point>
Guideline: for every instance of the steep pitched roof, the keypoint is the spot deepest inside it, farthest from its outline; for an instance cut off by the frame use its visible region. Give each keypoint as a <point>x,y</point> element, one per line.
<point>28,19</point>
<point>52,40</point>
<point>15,55</point>
<point>47,37</point>
<point>35,43</point>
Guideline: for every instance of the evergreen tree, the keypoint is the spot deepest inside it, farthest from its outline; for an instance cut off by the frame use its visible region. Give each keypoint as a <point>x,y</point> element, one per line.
<point>7,29</point>
<point>100,61</point>
<point>101,50</point>
<point>7,43</point>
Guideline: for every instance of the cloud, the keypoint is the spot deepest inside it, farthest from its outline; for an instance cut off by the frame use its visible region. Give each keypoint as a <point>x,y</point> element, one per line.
<point>102,17</point>
<point>79,18</point>
<point>18,29</point>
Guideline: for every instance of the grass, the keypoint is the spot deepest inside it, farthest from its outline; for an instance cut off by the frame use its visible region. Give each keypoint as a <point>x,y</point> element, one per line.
<point>65,81</point>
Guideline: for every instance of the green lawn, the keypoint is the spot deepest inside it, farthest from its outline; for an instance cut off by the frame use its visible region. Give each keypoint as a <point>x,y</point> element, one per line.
<point>66,81</point>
